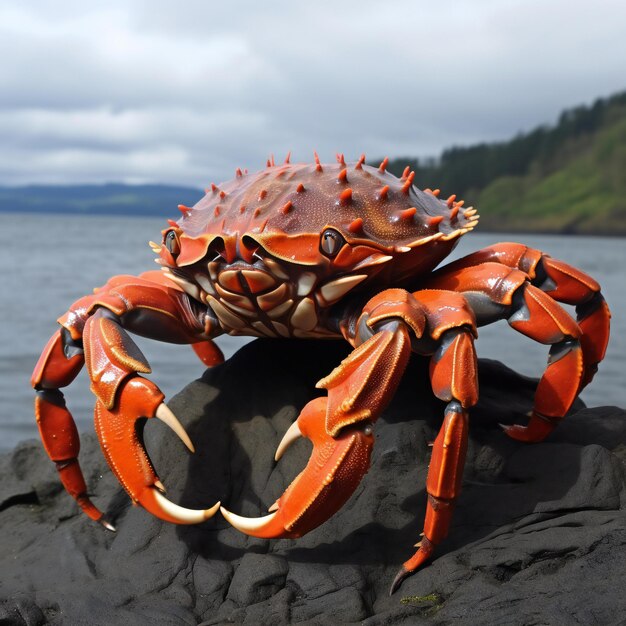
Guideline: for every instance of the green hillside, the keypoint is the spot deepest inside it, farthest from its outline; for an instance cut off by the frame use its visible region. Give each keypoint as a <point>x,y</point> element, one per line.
<point>565,178</point>
<point>568,178</point>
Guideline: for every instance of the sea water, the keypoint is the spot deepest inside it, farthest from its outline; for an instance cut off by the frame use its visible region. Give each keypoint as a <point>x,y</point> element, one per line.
<point>49,261</point>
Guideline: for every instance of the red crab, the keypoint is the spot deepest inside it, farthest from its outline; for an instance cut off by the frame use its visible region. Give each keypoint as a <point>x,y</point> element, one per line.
<point>319,251</point>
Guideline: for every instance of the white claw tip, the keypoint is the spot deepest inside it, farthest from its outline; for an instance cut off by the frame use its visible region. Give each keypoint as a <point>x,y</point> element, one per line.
<point>293,433</point>
<point>246,525</point>
<point>183,515</point>
<point>165,414</point>
<point>107,525</point>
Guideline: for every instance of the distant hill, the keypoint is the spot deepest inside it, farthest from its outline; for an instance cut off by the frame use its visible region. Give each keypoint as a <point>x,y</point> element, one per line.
<point>566,178</point>
<point>109,199</point>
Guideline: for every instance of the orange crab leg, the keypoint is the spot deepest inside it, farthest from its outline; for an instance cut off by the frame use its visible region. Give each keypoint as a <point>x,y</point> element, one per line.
<point>562,282</point>
<point>592,312</point>
<point>120,433</point>
<point>496,291</point>
<point>206,350</point>
<point>333,472</point>
<point>93,332</point>
<point>390,326</point>
<point>57,367</point>
<point>543,320</point>
<point>340,428</point>
<point>454,379</point>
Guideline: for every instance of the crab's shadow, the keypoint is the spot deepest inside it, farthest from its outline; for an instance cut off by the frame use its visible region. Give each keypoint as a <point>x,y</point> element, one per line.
<point>238,412</point>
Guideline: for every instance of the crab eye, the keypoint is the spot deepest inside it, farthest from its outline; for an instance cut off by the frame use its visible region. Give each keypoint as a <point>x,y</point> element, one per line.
<point>172,243</point>
<point>331,242</point>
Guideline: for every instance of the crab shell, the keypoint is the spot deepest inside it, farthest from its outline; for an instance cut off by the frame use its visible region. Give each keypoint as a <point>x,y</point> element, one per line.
<point>390,231</point>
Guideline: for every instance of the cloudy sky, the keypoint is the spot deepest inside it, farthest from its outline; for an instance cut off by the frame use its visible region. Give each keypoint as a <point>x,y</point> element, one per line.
<point>184,92</point>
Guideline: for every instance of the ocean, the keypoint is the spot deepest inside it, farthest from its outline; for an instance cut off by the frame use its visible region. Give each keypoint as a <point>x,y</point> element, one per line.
<point>52,260</point>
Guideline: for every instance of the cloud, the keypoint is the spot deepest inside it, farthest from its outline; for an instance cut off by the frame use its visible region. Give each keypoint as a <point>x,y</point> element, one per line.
<point>169,92</point>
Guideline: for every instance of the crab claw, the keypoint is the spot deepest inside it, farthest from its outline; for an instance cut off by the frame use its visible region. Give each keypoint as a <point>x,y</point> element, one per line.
<point>120,430</point>
<point>336,467</point>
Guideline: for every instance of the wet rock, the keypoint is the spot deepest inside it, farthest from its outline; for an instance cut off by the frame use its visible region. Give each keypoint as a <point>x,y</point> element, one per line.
<point>257,578</point>
<point>538,536</point>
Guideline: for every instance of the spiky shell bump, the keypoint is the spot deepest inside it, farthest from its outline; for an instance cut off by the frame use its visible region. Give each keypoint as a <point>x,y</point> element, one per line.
<point>361,202</point>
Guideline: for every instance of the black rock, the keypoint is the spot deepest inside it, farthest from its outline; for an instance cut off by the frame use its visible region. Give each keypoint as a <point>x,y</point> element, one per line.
<point>538,536</point>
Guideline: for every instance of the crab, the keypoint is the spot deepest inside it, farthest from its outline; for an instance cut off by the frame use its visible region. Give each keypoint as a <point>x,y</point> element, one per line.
<point>319,251</point>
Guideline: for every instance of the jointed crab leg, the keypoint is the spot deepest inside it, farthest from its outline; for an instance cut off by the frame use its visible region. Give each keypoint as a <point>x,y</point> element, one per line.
<point>57,367</point>
<point>93,332</point>
<point>453,373</point>
<point>390,326</point>
<point>495,292</point>
<point>340,428</point>
<point>445,472</point>
<point>562,282</point>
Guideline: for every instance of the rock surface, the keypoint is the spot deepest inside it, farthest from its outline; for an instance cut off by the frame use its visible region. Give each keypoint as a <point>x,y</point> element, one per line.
<point>538,535</point>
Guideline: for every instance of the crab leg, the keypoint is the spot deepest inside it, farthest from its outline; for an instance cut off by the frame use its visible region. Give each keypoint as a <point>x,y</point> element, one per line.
<point>206,350</point>
<point>497,292</point>
<point>93,332</point>
<point>454,378</point>
<point>57,367</point>
<point>120,433</point>
<point>340,428</point>
<point>389,327</point>
<point>562,282</point>
<point>333,472</point>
